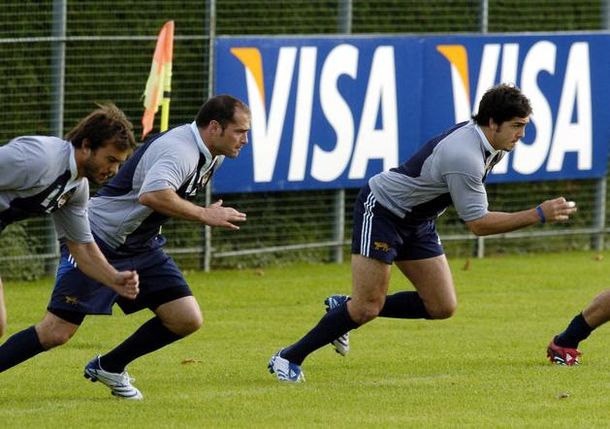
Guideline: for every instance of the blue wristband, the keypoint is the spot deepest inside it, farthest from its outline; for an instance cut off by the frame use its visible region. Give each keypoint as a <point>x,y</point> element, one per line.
<point>541,214</point>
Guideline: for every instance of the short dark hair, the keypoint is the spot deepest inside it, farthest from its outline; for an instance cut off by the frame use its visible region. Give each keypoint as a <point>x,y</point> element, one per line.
<point>221,109</point>
<point>502,103</point>
<point>106,123</point>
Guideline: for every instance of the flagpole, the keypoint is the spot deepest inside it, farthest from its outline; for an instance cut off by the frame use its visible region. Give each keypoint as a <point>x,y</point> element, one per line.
<point>158,86</point>
<point>167,95</point>
<point>165,110</point>
<point>211,27</point>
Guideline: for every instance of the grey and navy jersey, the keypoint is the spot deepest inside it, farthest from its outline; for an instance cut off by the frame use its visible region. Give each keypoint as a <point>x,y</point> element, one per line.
<point>177,160</point>
<point>38,175</point>
<point>450,168</point>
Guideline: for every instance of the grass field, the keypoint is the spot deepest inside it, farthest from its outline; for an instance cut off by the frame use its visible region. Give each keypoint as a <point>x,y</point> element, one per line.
<point>483,368</point>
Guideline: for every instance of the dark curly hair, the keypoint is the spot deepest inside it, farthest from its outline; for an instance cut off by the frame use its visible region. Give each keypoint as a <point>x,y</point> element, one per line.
<point>502,103</point>
<point>106,124</point>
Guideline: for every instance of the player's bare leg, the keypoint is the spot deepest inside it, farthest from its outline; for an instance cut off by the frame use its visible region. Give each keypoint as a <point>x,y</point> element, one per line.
<point>173,321</point>
<point>54,331</point>
<point>598,311</point>
<point>50,332</point>
<point>370,282</point>
<point>563,348</point>
<point>432,279</point>
<point>181,316</point>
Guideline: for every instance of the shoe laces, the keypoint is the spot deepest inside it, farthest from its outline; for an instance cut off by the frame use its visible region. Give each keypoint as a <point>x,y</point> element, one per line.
<point>126,379</point>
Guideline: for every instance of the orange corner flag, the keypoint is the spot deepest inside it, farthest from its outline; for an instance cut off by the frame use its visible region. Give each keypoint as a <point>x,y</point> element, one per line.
<point>158,85</point>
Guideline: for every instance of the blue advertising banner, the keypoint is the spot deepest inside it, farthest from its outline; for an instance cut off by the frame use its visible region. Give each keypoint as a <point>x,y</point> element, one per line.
<point>331,112</point>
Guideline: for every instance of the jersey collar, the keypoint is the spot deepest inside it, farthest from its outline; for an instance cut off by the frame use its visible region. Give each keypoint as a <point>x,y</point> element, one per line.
<point>74,179</point>
<point>72,162</point>
<point>486,145</point>
<point>200,144</point>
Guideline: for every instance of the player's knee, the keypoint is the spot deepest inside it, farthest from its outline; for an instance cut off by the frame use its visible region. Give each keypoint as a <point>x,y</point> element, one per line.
<point>362,314</point>
<point>53,331</point>
<point>443,310</point>
<point>188,324</point>
<point>54,338</point>
<point>195,322</point>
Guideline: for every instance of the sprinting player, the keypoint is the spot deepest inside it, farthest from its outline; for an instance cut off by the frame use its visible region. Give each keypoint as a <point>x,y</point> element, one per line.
<point>563,349</point>
<point>126,217</point>
<point>394,222</point>
<point>41,175</point>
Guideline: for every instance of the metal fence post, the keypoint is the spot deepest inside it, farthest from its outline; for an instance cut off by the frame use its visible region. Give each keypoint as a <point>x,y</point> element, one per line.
<point>483,15</point>
<point>211,31</point>
<point>483,20</point>
<point>58,73</point>
<point>344,26</point>
<point>599,210</point>
<point>58,66</point>
<point>344,20</point>
<point>338,225</point>
<point>599,215</point>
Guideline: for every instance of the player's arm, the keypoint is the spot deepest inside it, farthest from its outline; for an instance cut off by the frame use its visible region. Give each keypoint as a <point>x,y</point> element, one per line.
<point>72,225</point>
<point>92,262</point>
<point>470,200</point>
<point>169,203</point>
<point>169,172</point>
<point>556,210</point>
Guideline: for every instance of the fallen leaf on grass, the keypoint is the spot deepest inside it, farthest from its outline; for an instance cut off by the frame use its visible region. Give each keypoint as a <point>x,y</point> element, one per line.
<point>190,360</point>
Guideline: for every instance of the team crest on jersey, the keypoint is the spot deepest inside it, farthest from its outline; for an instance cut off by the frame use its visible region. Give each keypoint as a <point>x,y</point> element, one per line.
<point>196,184</point>
<point>200,180</point>
<point>56,199</point>
<point>205,178</point>
<point>64,198</point>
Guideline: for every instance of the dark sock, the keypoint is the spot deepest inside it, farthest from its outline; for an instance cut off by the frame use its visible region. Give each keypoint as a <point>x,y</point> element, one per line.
<point>151,336</point>
<point>334,324</point>
<point>577,330</point>
<point>19,348</point>
<point>404,305</point>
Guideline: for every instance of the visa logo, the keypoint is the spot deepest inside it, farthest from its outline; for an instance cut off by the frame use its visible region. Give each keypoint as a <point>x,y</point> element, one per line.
<point>306,82</point>
<point>572,130</point>
<point>355,145</point>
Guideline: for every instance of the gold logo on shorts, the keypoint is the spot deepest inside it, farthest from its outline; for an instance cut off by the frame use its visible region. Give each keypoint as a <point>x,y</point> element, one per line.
<point>72,300</point>
<point>380,245</point>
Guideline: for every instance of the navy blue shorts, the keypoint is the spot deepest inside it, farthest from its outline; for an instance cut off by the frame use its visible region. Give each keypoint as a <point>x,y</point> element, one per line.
<point>76,295</point>
<point>380,234</point>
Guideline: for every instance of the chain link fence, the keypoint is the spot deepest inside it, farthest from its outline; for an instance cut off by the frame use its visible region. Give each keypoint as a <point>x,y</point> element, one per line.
<point>58,58</point>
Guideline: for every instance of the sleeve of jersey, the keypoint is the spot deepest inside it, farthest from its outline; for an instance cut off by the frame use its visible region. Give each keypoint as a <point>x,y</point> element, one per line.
<point>468,195</point>
<point>72,220</point>
<point>17,170</point>
<point>167,172</point>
